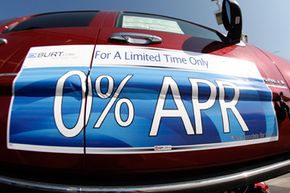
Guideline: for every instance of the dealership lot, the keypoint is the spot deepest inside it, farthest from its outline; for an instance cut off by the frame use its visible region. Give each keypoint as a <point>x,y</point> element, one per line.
<point>280,184</point>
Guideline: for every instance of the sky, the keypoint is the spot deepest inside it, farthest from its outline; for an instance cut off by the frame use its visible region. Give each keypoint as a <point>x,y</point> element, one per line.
<point>266,22</point>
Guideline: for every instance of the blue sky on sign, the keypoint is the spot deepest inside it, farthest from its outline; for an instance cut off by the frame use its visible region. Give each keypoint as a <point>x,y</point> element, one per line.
<point>265,22</point>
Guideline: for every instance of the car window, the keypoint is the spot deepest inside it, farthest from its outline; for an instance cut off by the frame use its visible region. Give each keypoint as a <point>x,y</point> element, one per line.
<point>55,20</point>
<point>165,24</point>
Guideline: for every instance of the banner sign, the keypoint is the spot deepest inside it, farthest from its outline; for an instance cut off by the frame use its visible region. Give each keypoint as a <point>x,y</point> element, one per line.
<point>137,100</point>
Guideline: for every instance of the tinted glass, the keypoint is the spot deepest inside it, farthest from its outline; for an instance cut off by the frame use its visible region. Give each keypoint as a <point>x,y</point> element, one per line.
<point>55,20</point>
<point>166,24</point>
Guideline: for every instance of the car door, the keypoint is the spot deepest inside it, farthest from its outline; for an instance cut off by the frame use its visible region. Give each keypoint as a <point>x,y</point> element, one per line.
<point>168,94</point>
<point>44,65</point>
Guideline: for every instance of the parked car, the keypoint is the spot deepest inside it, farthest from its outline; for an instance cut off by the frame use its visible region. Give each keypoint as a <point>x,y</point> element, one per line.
<point>96,101</point>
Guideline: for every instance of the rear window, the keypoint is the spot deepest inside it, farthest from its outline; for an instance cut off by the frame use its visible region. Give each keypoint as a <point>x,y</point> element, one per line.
<point>55,20</point>
<point>165,24</point>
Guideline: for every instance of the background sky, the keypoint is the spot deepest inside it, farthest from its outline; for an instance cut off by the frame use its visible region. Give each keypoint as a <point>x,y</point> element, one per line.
<point>266,22</point>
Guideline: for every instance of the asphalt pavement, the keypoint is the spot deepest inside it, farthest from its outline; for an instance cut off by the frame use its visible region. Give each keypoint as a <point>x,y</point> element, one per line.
<point>280,184</point>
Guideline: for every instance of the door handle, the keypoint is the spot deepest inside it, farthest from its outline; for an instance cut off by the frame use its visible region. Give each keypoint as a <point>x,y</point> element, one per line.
<point>3,41</point>
<point>136,38</point>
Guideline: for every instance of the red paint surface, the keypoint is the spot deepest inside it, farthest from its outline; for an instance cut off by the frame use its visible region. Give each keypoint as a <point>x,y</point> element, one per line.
<point>99,31</point>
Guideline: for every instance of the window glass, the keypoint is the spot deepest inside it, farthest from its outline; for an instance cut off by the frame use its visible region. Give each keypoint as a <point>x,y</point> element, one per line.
<point>157,24</point>
<point>55,20</point>
<point>165,24</point>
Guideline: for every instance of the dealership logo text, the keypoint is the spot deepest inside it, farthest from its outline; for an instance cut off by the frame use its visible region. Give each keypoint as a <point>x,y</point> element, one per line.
<point>45,54</point>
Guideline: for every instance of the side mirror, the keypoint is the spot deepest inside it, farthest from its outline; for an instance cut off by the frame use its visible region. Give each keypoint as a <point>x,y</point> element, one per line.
<point>232,20</point>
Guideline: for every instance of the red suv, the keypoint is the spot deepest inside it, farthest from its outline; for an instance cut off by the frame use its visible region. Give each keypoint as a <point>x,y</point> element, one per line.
<point>122,101</point>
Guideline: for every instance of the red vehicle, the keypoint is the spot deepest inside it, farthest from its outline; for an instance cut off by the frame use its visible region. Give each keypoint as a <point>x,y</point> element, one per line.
<point>95,101</point>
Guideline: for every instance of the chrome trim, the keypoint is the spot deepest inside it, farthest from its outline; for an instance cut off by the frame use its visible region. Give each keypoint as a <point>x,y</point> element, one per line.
<point>48,149</point>
<point>137,150</point>
<point>3,41</point>
<point>245,176</point>
<point>173,149</point>
<point>136,38</point>
<point>8,74</point>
